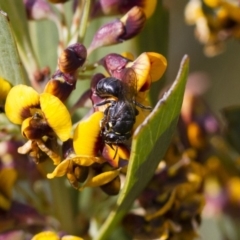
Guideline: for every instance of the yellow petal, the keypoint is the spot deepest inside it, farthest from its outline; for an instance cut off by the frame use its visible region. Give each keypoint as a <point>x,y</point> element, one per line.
<point>233,10</point>
<point>48,235</point>
<point>86,135</point>
<point>61,169</point>
<point>158,65</point>
<point>212,3</point>
<point>5,87</point>
<point>101,179</point>
<point>5,203</point>
<point>86,160</point>
<point>141,66</point>
<point>7,179</point>
<point>233,187</point>
<point>69,237</point>
<point>25,124</point>
<point>115,153</point>
<point>164,208</point>
<point>56,115</point>
<point>193,11</point>
<point>149,7</point>
<point>19,101</point>
<point>128,55</point>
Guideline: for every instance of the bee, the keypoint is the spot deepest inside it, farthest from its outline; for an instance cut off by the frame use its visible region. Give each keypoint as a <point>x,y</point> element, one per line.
<point>120,114</point>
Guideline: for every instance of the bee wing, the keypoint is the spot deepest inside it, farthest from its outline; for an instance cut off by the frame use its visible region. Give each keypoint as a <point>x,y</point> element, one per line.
<point>130,84</point>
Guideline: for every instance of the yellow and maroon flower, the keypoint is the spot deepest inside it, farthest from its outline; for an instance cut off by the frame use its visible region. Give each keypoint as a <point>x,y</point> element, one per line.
<point>84,163</point>
<point>4,90</point>
<point>49,235</point>
<point>171,201</point>
<point>215,21</point>
<point>114,7</point>
<point>41,116</point>
<point>148,67</point>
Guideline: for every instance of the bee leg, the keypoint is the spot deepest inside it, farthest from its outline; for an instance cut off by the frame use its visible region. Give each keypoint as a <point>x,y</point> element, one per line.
<point>104,102</point>
<point>142,106</point>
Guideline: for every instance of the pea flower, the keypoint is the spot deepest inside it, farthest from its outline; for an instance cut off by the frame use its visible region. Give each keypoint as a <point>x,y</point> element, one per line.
<point>4,90</point>
<point>42,117</point>
<point>92,162</point>
<point>171,202</point>
<point>38,9</point>
<point>84,159</point>
<point>114,7</point>
<point>148,67</point>
<point>49,235</point>
<point>215,21</point>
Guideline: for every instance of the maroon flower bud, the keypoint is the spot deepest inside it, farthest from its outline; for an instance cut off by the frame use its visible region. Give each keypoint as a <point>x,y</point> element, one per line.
<point>80,172</point>
<point>114,7</point>
<point>107,35</point>
<point>119,30</point>
<point>37,9</point>
<point>72,58</point>
<point>67,148</point>
<point>57,1</point>
<point>112,188</point>
<point>113,62</point>
<point>94,97</point>
<point>61,85</point>
<point>105,7</point>
<point>134,21</point>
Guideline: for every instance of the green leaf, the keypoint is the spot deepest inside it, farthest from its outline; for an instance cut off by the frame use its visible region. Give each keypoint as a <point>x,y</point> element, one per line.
<point>10,66</point>
<point>19,25</point>
<point>150,142</point>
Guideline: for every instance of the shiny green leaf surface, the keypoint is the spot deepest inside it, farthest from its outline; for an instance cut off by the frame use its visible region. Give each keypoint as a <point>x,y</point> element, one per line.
<point>10,65</point>
<point>150,142</point>
<point>19,25</point>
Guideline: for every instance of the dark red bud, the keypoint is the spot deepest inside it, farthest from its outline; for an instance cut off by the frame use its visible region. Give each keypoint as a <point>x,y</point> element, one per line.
<point>113,62</point>
<point>72,58</point>
<point>108,34</point>
<point>37,9</point>
<point>67,148</point>
<point>81,173</point>
<point>57,1</point>
<point>134,22</point>
<point>112,188</point>
<point>60,89</point>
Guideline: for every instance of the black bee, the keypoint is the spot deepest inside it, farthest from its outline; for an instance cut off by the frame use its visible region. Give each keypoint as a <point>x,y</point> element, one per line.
<point>120,115</point>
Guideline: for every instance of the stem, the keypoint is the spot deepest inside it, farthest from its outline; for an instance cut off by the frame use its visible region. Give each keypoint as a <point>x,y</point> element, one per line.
<point>62,28</point>
<point>84,20</point>
<point>31,64</point>
<point>80,21</point>
<point>76,22</point>
<point>62,202</point>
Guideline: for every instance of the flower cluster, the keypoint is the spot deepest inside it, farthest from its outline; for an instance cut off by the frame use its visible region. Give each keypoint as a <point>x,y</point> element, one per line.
<point>97,149</point>
<point>215,21</point>
<point>171,204</point>
<point>92,150</point>
<point>91,156</point>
